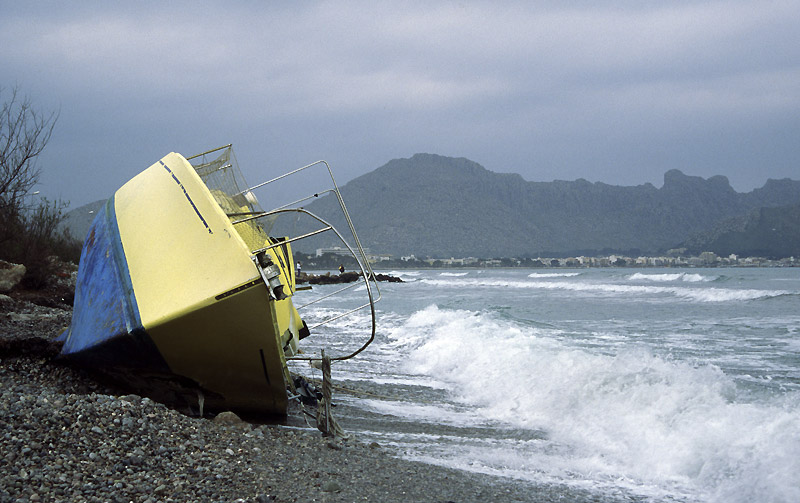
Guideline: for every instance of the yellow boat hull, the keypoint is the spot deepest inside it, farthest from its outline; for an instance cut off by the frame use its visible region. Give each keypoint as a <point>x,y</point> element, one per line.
<point>168,291</point>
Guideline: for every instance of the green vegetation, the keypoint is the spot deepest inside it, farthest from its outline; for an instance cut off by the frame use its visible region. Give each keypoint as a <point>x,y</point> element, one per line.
<point>29,226</point>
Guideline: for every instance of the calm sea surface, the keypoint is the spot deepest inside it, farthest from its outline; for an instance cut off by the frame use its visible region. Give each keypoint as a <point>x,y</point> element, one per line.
<point>623,384</point>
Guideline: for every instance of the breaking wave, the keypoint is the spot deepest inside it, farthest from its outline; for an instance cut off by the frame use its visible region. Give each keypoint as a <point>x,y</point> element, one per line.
<point>666,277</point>
<point>405,275</point>
<point>695,294</point>
<point>553,274</point>
<point>662,428</point>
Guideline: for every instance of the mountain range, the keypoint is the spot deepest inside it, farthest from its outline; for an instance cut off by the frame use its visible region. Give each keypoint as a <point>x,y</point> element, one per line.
<point>765,232</point>
<point>432,205</point>
<point>442,206</point>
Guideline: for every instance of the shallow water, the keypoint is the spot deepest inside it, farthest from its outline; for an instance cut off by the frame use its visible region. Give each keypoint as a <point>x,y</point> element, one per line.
<point>643,384</point>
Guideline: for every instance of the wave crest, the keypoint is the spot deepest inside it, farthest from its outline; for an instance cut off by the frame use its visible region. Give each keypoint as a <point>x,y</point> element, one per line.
<point>656,422</point>
<point>666,277</point>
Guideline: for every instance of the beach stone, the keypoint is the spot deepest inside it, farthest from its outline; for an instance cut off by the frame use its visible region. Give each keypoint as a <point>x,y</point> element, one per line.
<point>331,487</point>
<point>60,439</point>
<point>228,418</point>
<point>10,275</point>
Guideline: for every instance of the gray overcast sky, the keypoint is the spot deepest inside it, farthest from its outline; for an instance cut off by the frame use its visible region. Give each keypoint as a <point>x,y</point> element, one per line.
<point>617,92</point>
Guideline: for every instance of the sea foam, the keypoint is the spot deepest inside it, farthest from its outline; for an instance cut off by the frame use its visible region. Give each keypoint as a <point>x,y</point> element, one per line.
<point>667,277</point>
<point>553,274</point>
<point>405,275</point>
<point>696,294</point>
<point>658,426</point>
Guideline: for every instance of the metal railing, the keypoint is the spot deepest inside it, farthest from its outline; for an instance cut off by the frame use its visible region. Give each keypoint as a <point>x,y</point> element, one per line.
<point>356,250</point>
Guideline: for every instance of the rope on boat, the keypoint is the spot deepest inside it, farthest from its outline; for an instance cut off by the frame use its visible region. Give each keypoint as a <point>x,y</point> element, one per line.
<point>325,421</point>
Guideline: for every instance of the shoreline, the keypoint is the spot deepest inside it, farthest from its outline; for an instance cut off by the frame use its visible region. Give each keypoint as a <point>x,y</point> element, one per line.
<point>67,437</point>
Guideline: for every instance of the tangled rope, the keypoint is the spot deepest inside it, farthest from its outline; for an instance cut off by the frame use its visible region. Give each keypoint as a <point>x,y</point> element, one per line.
<point>325,421</point>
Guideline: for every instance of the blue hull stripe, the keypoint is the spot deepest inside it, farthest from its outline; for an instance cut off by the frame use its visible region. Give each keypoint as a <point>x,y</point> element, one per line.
<point>106,329</point>
<point>118,253</point>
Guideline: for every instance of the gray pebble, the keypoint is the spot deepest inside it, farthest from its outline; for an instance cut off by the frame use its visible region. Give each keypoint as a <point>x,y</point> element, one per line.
<point>331,487</point>
<point>66,437</point>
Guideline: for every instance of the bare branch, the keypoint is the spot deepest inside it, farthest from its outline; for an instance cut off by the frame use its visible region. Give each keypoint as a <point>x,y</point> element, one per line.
<point>24,133</point>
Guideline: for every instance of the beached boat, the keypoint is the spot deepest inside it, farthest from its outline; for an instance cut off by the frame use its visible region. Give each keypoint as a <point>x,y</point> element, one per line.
<point>182,292</point>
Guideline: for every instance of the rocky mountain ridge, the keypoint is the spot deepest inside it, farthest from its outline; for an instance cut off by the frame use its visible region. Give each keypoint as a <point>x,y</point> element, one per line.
<point>442,206</point>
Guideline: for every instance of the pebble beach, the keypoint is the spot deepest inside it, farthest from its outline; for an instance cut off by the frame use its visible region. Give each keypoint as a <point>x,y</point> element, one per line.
<point>67,437</point>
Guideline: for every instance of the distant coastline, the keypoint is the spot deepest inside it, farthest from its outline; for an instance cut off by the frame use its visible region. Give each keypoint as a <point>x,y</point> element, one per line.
<point>705,259</point>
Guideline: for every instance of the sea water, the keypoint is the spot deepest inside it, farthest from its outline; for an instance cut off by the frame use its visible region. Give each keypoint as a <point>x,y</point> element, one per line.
<point>620,384</point>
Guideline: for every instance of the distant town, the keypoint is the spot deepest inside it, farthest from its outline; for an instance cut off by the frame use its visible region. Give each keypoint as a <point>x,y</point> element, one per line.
<point>331,258</point>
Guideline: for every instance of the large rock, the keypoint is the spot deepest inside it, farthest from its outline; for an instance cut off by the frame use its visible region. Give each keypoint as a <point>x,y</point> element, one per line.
<point>229,418</point>
<point>10,275</point>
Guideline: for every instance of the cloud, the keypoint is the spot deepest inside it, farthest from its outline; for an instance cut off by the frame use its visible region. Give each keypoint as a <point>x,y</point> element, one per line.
<point>588,89</point>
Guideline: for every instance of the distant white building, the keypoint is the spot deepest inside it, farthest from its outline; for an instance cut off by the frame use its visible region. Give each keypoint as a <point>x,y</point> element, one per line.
<point>337,250</point>
<point>709,258</point>
<point>379,258</point>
